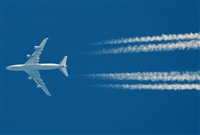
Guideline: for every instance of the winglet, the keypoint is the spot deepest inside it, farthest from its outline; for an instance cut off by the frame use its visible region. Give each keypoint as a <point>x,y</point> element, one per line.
<point>43,42</point>
<point>44,88</point>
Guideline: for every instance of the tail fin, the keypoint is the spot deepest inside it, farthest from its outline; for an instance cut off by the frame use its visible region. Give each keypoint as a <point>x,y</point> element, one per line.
<point>63,66</point>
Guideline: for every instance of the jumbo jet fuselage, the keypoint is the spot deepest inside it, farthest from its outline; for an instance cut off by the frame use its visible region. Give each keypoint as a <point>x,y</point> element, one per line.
<point>39,66</point>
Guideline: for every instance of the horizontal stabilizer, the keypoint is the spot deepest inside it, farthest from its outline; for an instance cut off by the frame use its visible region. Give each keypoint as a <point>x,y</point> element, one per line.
<point>63,61</point>
<point>64,71</point>
<point>63,66</point>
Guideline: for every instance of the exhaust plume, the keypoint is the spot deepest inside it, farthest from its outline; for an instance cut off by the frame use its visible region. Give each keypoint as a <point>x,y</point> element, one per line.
<point>193,44</point>
<point>150,76</point>
<point>163,37</point>
<point>153,86</point>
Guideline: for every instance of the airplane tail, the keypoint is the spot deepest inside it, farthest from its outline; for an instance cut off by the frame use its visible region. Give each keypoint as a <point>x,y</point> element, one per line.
<point>63,66</point>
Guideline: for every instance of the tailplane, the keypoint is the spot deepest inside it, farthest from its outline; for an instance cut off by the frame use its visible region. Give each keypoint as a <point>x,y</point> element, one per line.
<point>63,66</point>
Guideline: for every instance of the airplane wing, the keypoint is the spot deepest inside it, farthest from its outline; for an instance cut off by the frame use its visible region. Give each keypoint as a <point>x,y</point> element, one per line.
<point>35,75</point>
<point>35,57</point>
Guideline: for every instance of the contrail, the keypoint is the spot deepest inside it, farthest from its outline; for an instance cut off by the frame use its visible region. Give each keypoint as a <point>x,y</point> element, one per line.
<point>153,86</point>
<point>150,76</point>
<point>193,44</point>
<point>163,37</point>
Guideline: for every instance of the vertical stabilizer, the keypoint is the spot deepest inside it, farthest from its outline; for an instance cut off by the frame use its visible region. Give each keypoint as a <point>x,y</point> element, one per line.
<point>63,66</point>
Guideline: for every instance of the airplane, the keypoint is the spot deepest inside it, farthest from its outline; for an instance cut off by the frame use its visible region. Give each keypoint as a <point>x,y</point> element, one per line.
<point>32,67</point>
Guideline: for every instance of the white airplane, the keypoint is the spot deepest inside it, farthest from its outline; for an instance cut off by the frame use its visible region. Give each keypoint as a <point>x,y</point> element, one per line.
<point>32,67</point>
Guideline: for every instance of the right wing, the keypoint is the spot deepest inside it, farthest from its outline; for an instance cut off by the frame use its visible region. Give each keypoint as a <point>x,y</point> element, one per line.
<point>35,57</point>
<point>35,75</point>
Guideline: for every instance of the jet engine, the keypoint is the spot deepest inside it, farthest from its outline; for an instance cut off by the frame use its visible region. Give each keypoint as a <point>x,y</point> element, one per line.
<point>39,86</point>
<point>36,47</point>
<point>30,78</point>
<point>28,55</point>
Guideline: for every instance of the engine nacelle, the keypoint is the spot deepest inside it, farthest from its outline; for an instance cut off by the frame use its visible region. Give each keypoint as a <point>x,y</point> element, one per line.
<point>28,55</point>
<point>39,86</point>
<point>36,47</point>
<point>30,78</point>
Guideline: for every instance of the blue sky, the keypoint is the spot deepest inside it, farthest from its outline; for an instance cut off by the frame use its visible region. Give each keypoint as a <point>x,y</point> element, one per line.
<point>76,106</point>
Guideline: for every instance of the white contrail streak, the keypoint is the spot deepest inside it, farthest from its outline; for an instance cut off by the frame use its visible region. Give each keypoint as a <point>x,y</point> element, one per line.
<point>150,76</point>
<point>163,37</point>
<point>153,86</point>
<point>193,44</point>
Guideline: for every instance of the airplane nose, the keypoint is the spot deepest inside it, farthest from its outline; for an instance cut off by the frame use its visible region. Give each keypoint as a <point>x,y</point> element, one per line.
<point>8,67</point>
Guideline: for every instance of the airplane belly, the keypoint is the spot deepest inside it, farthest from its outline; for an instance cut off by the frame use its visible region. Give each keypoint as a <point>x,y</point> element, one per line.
<point>48,66</point>
<point>32,67</point>
<point>41,67</point>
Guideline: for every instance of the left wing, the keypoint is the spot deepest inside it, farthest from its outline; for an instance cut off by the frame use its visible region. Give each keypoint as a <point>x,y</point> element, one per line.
<point>35,57</point>
<point>35,75</point>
